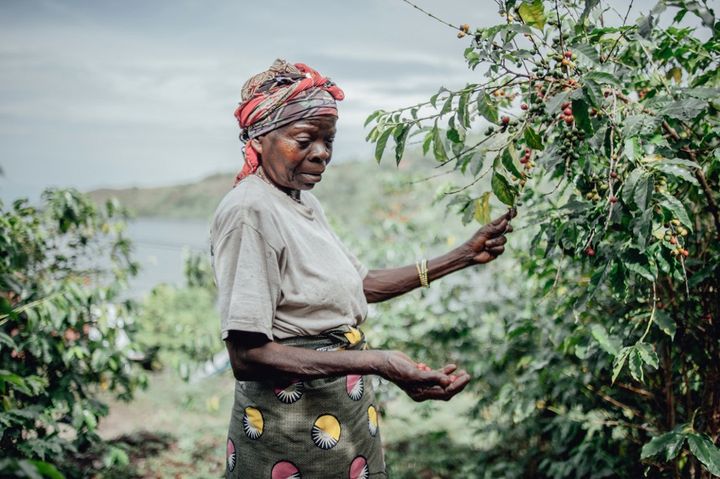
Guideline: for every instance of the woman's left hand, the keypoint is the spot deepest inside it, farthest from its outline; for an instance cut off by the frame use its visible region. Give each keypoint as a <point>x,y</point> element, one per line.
<point>488,242</point>
<point>460,379</point>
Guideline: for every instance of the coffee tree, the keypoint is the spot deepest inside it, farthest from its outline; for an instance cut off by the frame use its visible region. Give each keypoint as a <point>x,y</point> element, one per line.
<point>64,330</point>
<point>602,129</point>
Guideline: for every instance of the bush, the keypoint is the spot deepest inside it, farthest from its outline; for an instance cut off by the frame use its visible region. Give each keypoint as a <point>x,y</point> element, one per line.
<point>64,333</point>
<point>602,361</point>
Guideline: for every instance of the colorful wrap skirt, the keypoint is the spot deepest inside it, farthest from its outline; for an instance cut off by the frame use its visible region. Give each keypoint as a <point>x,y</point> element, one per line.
<point>320,428</point>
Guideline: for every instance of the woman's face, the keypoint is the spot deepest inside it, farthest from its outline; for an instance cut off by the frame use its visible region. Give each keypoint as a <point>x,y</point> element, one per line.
<point>295,156</point>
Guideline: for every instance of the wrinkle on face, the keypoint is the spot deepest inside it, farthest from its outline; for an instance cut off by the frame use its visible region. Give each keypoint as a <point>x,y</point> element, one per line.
<point>295,156</point>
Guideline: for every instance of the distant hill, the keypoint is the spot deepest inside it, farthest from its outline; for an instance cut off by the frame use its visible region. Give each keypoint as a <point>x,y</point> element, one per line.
<point>345,188</point>
<point>191,200</point>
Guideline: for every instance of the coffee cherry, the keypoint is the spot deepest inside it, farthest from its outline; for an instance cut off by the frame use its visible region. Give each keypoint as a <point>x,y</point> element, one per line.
<point>565,105</point>
<point>613,175</point>
<point>460,34</point>
<point>685,253</point>
<point>569,119</point>
<point>613,199</point>
<point>567,112</point>
<point>505,120</point>
<point>675,222</point>
<point>673,240</point>
<point>524,160</point>
<point>524,106</point>
<point>589,251</point>
<point>568,54</point>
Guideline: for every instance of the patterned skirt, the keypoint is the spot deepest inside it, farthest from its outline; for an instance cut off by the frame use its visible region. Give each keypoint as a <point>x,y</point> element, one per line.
<point>320,428</point>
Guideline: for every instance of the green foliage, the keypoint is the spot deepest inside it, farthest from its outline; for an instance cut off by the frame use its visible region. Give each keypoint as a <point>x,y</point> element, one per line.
<point>612,337</point>
<point>63,336</point>
<point>180,323</point>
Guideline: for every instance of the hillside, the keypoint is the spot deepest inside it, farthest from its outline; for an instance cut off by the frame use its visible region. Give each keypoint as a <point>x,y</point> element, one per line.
<point>345,188</point>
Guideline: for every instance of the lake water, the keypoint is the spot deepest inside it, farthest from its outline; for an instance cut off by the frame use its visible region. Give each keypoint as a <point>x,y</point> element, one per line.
<point>160,246</point>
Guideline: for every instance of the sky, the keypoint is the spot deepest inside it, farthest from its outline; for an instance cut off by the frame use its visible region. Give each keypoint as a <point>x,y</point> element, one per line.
<point>136,93</point>
<point>119,93</point>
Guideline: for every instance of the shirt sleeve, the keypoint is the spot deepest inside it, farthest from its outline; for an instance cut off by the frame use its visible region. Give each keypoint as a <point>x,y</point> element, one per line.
<point>248,279</point>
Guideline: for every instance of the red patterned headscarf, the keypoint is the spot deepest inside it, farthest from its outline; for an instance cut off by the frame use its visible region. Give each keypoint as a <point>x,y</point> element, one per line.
<point>281,95</point>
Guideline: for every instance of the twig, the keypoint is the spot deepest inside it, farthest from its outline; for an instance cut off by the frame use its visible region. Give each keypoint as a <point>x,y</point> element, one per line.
<point>431,15</point>
<point>622,34</point>
<point>652,313</point>
<point>699,175</point>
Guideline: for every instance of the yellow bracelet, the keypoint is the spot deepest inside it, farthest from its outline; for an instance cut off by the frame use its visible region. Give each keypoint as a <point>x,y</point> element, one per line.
<point>422,269</point>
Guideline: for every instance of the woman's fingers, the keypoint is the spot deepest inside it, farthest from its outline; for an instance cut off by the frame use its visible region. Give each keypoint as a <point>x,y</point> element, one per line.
<point>496,251</point>
<point>449,368</point>
<point>494,242</point>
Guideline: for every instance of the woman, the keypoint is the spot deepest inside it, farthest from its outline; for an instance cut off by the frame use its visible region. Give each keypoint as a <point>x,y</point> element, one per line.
<point>291,296</point>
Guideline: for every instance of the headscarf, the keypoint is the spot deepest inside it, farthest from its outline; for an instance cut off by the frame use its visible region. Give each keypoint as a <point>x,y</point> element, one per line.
<point>281,95</point>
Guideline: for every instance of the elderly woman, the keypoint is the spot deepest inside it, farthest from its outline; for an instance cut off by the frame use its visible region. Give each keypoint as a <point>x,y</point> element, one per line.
<point>291,297</point>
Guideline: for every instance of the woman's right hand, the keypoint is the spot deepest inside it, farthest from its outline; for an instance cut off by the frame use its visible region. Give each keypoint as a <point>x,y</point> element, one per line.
<point>418,382</point>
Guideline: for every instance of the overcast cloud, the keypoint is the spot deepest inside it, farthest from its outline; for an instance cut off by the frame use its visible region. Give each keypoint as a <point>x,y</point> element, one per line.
<point>118,93</point>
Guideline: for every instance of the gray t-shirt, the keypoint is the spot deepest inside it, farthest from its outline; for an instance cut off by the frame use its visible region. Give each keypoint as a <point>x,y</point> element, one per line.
<point>279,268</point>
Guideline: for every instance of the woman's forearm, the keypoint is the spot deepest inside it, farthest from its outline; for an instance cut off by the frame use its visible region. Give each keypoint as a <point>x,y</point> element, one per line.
<point>383,284</point>
<point>268,359</point>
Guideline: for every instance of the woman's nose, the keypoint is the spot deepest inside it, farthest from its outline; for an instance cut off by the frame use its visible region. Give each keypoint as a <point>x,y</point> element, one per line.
<point>321,152</point>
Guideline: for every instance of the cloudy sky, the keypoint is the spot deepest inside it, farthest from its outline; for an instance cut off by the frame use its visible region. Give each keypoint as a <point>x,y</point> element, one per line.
<point>118,93</point>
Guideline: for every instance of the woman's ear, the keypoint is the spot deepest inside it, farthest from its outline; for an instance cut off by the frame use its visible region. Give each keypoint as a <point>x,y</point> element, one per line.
<point>257,144</point>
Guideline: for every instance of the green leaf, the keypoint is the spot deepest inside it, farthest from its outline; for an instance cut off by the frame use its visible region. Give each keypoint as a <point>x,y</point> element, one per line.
<point>706,452</point>
<point>666,323</point>
<point>47,470</point>
<point>589,5</point>
<point>447,106</point>
<point>400,134</point>
<point>619,361</point>
<point>487,108</point>
<point>17,381</point>
<point>632,149</point>
<point>603,78</point>
<point>593,93</point>
<point>685,109</point>
<point>532,139</point>
<point>680,162</point>
<point>503,190</point>
<point>635,364</point>
<point>482,208</point>
<point>669,444</point>
<point>533,13</point>
<point>640,269</point>
<point>600,334</point>
<point>372,116</point>
<point>427,142</point>
<point>629,186</point>
<point>676,208</point>
<point>382,143</point>
<point>509,160</point>
<point>462,109</point>
<point>454,135</point>
<point>582,116</point>
<point>643,191</point>
<point>438,146</point>
<point>676,171</point>
<point>647,354</point>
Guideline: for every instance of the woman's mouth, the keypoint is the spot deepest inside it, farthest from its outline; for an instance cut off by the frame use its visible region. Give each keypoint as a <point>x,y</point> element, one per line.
<point>309,177</point>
